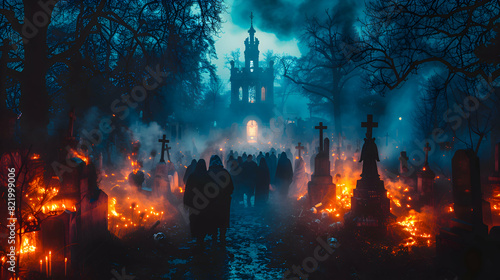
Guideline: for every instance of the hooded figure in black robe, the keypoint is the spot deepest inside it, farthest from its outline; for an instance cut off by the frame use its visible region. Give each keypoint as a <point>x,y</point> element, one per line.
<point>273,161</point>
<point>230,155</point>
<point>248,180</point>
<point>220,191</point>
<point>237,176</point>
<point>261,155</point>
<point>197,205</point>
<point>189,170</point>
<point>284,174</point>
<point>262,184</point>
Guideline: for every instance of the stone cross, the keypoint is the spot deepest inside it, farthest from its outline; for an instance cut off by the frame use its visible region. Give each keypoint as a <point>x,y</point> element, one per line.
<point>300,148</point>
<point>164,146</point>
<point>369,124</point>
<point>321,127</point>
<point>427,148</point>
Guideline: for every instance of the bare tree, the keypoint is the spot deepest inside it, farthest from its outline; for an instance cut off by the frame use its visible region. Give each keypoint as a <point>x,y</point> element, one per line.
<point>215,88</point>
<point>326,68</point>
<point>105,39</point>
<point>400,38</point>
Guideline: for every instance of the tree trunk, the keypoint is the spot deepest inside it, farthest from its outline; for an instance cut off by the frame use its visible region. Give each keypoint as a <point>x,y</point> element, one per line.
<point>337,105</point>
<point>34,101</point>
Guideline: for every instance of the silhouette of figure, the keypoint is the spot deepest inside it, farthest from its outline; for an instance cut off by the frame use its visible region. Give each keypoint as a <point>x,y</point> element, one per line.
<point>273,161</point>
<point>284,174</point>
<point>249,170</point>
<point>196,204</point>
<point>262,184</point>
<point>261,155</point>
<point>189,170</point>
<point>238,179</point>
<point>220,196</point>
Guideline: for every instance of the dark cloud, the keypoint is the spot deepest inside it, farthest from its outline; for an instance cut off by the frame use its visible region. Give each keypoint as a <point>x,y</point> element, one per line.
<point>286,18</point>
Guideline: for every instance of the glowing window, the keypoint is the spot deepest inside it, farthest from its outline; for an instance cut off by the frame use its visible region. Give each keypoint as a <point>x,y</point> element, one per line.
<point>251,95</point>
<point>252,131</point>
<point>263,94</point>
<point>240,94</point>
<point>251,65</point>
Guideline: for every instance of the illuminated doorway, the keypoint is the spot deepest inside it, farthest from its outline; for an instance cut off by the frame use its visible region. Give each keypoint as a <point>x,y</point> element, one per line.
<point>252,130</point>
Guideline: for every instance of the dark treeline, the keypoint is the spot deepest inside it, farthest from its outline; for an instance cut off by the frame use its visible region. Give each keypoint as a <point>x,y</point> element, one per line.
<point>447,51</point>
<point>58,55</point>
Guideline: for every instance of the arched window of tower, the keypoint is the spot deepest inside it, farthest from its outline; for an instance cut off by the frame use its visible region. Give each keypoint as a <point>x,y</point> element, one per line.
<point>251,94</point>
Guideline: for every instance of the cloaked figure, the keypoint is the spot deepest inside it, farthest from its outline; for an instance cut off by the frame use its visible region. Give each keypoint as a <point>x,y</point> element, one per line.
<point>237,176</point>
<point>220,197</point>
<point>231,154</point>
<point>284,174</point>
<point>262,184</point>
<point>196,203</point>
<point>248,180</point>
<point>261,155</point>
<point>190,169</point>
<point>234,170</point>
<point>232,166</point>
<point>273,161</point>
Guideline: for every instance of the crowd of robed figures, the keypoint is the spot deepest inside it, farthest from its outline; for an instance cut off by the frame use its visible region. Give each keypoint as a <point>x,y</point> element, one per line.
<point>209,193</point>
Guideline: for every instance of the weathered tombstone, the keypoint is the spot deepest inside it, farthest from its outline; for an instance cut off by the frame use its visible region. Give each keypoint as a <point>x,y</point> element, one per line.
<point>403,163</point>
<point>468,230</point>
<point>425,182</point>
<point>321,180</point>
<point>469,205</point>
<point>161,183</point>
<point>370,207</point>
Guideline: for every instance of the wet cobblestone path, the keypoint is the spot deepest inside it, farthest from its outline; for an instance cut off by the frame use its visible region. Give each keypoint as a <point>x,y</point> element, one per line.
<point>254,250</point>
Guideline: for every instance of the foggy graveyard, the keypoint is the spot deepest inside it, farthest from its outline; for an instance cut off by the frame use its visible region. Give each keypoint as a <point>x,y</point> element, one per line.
<point>231,139</point>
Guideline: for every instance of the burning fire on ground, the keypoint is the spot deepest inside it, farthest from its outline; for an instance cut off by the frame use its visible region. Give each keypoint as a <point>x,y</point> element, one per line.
<point>414,225</point>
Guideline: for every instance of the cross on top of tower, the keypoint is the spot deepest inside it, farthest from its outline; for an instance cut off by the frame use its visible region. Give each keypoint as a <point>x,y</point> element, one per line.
<point>369,124</point>
<point>251,31</point>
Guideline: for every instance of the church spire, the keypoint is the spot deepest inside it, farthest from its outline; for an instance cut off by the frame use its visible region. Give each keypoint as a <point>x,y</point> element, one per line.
<point>251,31</point>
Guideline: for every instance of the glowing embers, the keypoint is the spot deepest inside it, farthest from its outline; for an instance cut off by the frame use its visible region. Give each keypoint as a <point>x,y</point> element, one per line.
<point>28,243</point>
<point>80,155</point>
<point>54,208</point>
<point>416,225</point>
<point>252,131</point>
